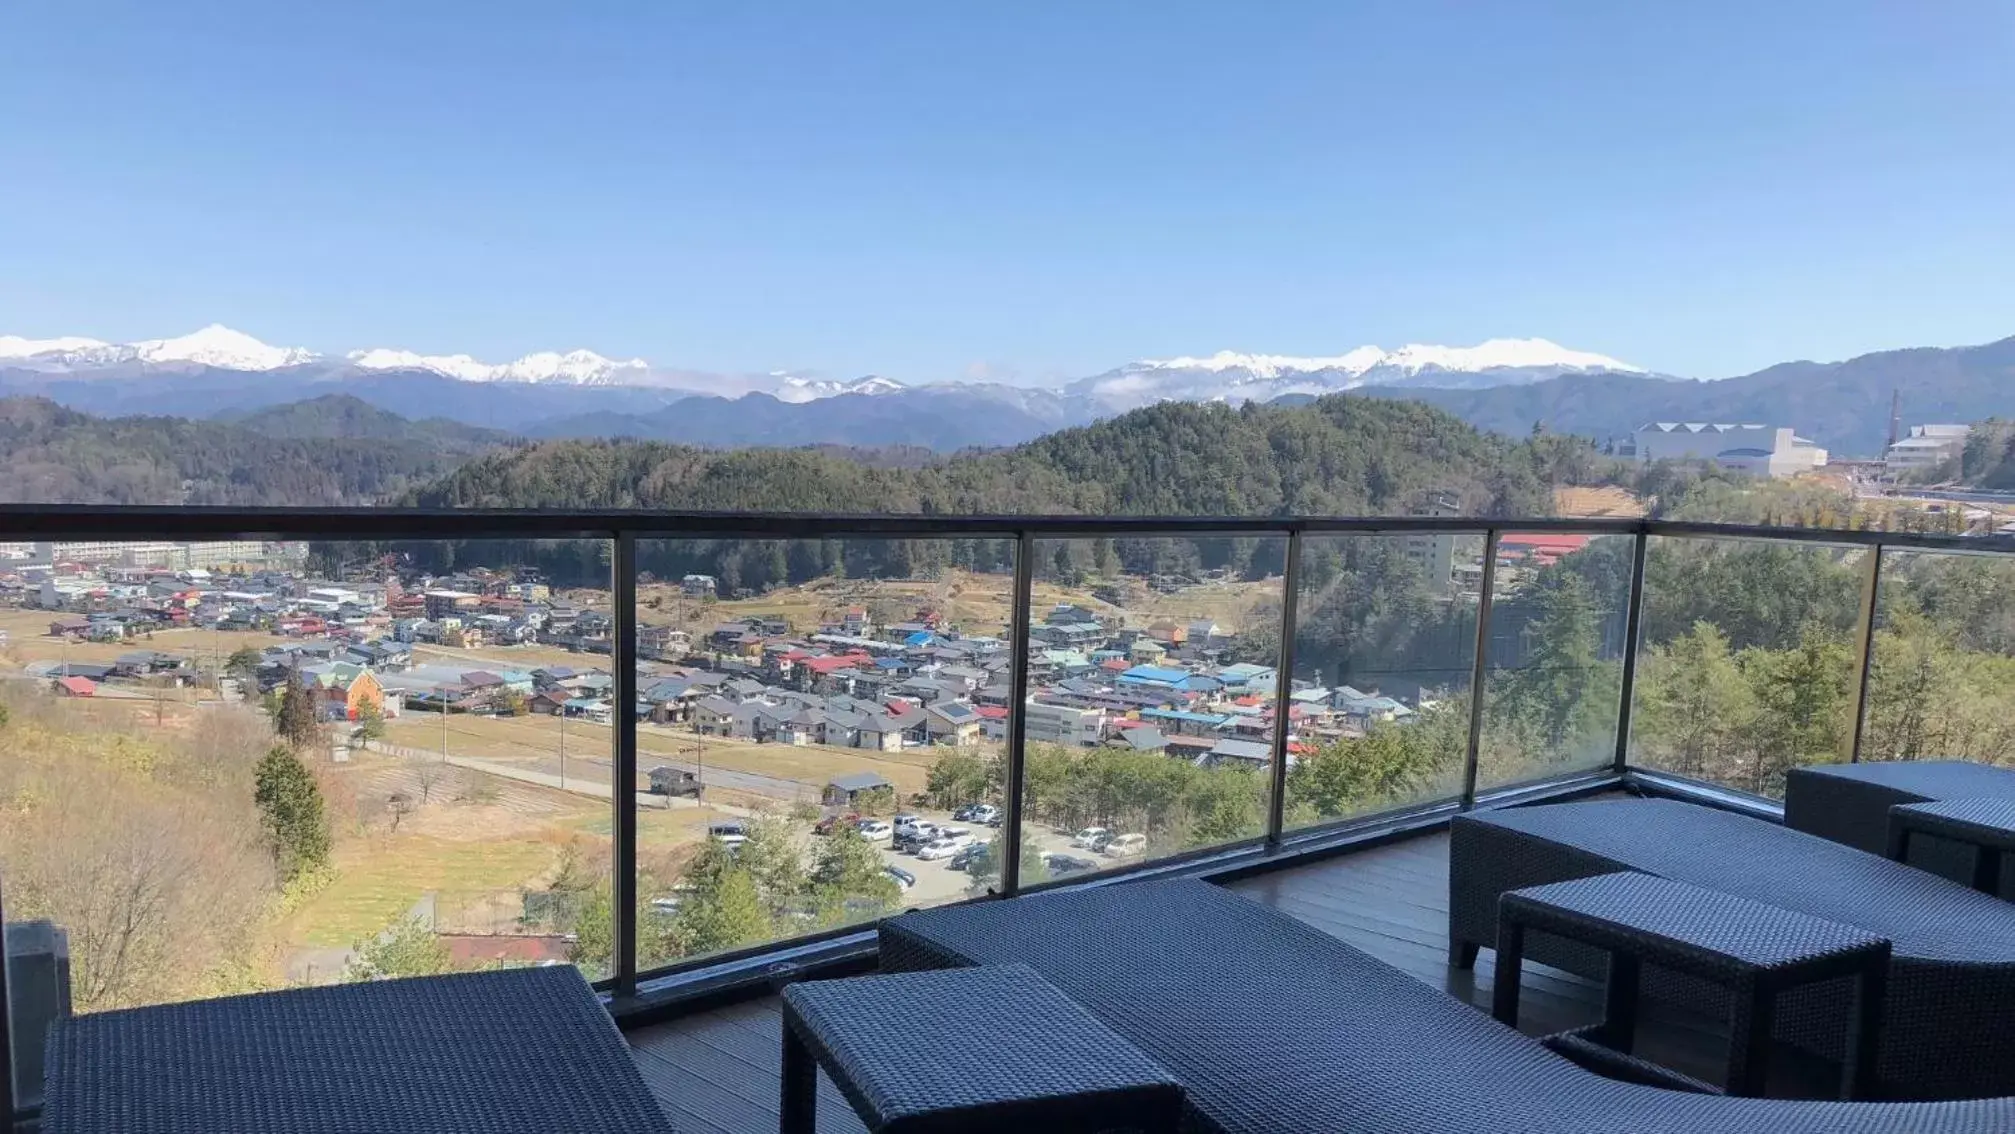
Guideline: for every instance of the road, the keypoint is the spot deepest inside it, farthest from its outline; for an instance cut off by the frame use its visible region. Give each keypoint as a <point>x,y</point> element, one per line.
<point>590,775</point>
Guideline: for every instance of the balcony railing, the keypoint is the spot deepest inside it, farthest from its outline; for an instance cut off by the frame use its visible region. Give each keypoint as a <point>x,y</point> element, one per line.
<point>1540,682</point>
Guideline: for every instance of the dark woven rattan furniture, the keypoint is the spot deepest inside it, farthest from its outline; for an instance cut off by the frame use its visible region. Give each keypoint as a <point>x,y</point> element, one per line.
<point>1949,1015</point>
<point>526,1051</point>
<point>1755,951</point>
<point>1985,826</point>
<point>1275,1028</point>
<point>1849,803</point>
<point>975,1049</point>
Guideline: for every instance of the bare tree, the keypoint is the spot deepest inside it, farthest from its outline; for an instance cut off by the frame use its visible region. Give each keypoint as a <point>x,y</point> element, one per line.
<point>158,878</point>
<point>398,805</point>
<point>427,775</point>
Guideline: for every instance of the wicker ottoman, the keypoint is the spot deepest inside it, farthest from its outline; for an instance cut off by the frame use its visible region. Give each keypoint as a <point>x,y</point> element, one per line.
<point>976,1049</point>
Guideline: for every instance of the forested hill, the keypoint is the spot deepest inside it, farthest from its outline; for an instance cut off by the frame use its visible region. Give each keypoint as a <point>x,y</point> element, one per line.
<point>348,417</point>
<point>52,455</point>
<point>1340,455</point>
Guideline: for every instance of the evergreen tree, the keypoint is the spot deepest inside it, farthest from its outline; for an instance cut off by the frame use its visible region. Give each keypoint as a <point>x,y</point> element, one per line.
<point>847,882</point>
<point>1695,713</point>
<point>296,720</point>
<point>243,663</point>
<point>290,809</point>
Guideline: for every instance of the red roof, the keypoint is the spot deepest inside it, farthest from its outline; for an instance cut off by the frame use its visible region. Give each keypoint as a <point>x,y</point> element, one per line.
<point>991,712</point>
<point>1544,544</point>
<point>78,686</point>
<point>1117,665</point>
<point>829,664</point>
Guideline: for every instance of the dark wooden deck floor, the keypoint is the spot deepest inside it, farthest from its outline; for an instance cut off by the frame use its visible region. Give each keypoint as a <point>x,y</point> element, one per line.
<point>717,1072</point>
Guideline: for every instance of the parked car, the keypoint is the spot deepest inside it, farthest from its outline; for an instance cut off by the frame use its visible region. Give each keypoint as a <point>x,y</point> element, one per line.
<point>1125,846</point>
<point>1062,864</point>
<point>825,826</point>
<point>985,813</point>
<point>903,877</point>
<point>665,907</point>
<point>914,825</point>
<point>875,830</point>
<point>1089,837</point>
<point>939,848</point>
<point>733,834</point>
<point>974,858</point>
<point>905,820</point>
<point>965,814</point>
<point>961,835</point>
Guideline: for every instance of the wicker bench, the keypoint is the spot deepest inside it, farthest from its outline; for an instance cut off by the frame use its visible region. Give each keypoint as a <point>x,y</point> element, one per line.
<point>512,1052</point>
<point>1275,1028</point>
<point>1949,1013</point>
<point>1849,803</point>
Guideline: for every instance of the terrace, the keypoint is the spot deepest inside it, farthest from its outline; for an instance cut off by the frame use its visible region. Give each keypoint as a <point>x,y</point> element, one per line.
<point>1509,711</point>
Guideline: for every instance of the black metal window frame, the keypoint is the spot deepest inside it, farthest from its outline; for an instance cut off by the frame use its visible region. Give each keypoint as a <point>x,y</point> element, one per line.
<point>1276,848</point>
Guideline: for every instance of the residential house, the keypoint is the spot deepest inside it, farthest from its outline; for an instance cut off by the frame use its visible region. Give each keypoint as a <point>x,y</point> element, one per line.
<point>1062,724</point>
<point>698,586</point>
<point>714,716</point>
<point>345,690</point>
<point>841,728</point>
<point>73,628</point>
<point>1142,738</point>
<point>882,732</point>
<point>951,722</point>
<point>1250,753</point>
<point>805,726</point>
<point>662,641</point>
<point>1146,651</point>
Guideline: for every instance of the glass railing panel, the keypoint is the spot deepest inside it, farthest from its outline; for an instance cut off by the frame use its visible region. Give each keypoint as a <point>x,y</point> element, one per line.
<point>243,765</point>
<point>1385,646</point>
<point>1554,660</point>
<point>1941,679</point>
<point>821,737</point>
<point>1746,659</point>
<point>1152,684</point>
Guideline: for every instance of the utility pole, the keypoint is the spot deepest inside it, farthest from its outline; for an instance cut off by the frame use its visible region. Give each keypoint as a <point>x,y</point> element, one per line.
<point>563,748</point>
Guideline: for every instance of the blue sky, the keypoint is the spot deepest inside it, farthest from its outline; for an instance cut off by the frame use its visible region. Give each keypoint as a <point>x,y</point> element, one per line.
<point>938,190</point>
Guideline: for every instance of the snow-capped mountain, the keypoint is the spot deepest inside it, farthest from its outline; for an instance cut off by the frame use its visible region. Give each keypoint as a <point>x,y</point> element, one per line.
<point>576,367</point>
<point>1234,377</point>
<point>223,359</point>
<point>215,345</point>
<point>796,390</point>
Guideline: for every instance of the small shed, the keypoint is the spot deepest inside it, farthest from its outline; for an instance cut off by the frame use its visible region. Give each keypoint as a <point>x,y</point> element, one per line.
<point>842,791</point>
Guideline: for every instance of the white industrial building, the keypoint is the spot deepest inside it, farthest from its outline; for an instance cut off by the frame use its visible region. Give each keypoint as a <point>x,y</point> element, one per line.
<point>1760,450</point>
<point>1927,447</point>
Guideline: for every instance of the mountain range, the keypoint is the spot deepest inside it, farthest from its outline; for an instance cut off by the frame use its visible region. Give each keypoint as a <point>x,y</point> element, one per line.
<point>1503,385</point>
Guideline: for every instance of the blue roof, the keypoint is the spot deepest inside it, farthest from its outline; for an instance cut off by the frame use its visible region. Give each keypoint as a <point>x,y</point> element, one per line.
<point>1155,674</point>
<point>1178,715</point>
<point>920,638</point>
<point>1243,671</point>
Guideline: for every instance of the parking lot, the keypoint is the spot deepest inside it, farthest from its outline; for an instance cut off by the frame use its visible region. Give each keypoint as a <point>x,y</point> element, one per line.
<point>937,882</point>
